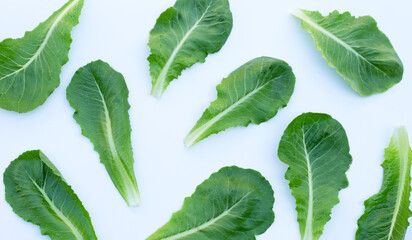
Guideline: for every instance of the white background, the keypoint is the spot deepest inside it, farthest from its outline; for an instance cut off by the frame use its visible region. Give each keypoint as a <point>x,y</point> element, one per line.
<point>117,32</point>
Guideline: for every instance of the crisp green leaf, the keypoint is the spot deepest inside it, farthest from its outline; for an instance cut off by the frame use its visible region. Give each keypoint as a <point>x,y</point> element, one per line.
<point>234,203</point>
<point>252,93</point>
<point>38,193</point>
<point>316,149</point>
<point>184,35</point>
<point>30,66</point>
<point>358,50</point>
<point>99,95</point>
<point>386,213</point>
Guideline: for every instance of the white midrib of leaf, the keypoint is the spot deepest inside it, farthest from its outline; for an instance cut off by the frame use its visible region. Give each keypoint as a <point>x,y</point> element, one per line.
<point>46,39</point>
<point>206,224</point>
<point>132,195</point>
<point>308,225</point>
<point>402,139</point>
<point>302,16</point>
<point>59,214</point>
<point>160,82</point>
<point>191,138</point>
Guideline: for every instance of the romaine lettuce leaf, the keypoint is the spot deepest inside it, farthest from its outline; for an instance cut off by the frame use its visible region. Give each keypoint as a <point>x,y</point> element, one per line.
<point>184,35</point>
<point>387,213</point>
<point>252,93</point>
<point>359,51</point>
<point>38,193</point>
<point>99,95</point>
<point>30,66</point>
<point>234,203</point>
<point>316,149</point>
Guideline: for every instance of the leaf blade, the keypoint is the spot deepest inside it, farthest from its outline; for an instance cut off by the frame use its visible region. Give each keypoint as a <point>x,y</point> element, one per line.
<point>387,212</point>
<point>99,96</point>
<point>253,93</point>
<point>30,66</point>
<point>316,149</point>
<point>184,35</point>
<point>38,194</point>
<point>356,48</point>
<point>240,208</point>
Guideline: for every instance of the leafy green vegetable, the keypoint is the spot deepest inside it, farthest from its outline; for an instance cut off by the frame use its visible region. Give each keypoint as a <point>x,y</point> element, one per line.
<point>386,213</point>
<point>38,193</point>
<point>234,203</point>
<point>358,50</point>
<point>316,149</point>
<point>30,66</point>
<point>99,95</point>
<point>252,93</point>
<point>184,35</point>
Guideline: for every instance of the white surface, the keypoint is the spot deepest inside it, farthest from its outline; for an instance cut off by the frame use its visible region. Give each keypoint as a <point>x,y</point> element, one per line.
<point>117,32</point>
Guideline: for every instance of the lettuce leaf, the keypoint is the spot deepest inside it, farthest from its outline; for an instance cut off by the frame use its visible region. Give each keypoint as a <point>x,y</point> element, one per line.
<point>359,51</point>
<point>184,35</point>
<point>316,149</point>
<point>386,213</point>
<point>252,93</point>
<point>99,95</point>
<point>30,66</point>
<point>233,203</point>
<point>38,193</point>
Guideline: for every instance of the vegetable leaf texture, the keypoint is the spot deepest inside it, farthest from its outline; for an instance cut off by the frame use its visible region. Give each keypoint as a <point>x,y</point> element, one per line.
<point>252,93</point>
<point>386,213</point>
<point>234,203</point>
<point>38,193</point>
<point>356,48</point>
<point>99,96</point>
<point>184,35</point>
<point>30,66</point>
<point>316,148</point>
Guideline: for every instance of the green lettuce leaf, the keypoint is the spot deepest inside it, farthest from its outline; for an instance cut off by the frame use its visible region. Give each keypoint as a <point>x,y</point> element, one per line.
<point>30,66</point>
<point>252,93</point>
<point>359,51</point>
<point>184,35</point>
<point>38,193</point>
<point>386,213</point>
<point>234,203</point>
<point>316,149</point>
<point>99,95</point>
